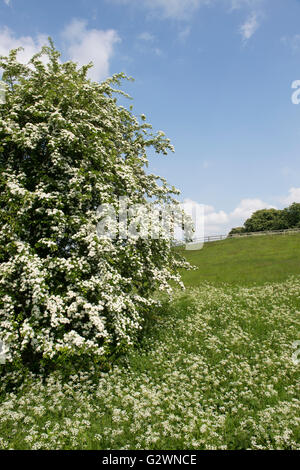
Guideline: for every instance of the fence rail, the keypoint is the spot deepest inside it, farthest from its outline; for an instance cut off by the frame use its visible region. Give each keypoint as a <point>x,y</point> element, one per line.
<point>213,238</point>
<point>289,231</point>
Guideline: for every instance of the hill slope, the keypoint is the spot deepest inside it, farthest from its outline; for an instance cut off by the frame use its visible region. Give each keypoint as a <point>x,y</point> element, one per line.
<point>245,261</point>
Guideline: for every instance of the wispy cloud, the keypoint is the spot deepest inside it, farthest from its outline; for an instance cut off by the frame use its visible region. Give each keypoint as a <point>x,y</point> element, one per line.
<point>7,2</point>
<point>293,42</point>
<point>84,45</point>
<point>249,27</point>
<point>184,33</point>
<point>179,9</point>
<point>175,9</point>
<point>184,9</point>
<point>145,36</point>
<point>147,43</point>
<point>238,4</point>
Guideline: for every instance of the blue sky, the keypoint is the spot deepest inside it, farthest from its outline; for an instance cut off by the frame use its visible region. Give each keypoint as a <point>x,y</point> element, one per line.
<point>215,75</point>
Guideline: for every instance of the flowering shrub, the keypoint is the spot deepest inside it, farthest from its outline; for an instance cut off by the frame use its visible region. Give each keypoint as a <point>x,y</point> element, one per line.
<point>67,147</point>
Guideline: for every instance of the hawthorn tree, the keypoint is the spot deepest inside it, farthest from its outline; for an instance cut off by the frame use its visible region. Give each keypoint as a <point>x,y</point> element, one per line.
<point>66,147</point>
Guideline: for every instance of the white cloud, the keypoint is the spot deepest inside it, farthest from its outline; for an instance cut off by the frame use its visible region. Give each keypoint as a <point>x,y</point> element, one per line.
<point>208,209</point>
<point>221,222</point>
<point>8,41</point>
<point>294,196</point>
<point>246,208</point>
<point>249,27</point>
<point>7,2</point>
<point>214,222</point>
<point>84,45</point>
<point>216,218</point>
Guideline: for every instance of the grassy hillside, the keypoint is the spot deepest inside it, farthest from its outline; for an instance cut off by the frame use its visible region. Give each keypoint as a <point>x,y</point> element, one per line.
<point>245,261</point>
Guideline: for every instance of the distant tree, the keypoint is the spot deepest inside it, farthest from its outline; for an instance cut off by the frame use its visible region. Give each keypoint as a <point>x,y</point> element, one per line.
<point>292,215</point>
<point>237,230</point>
<point>266,219</point>
<point>271,219</point>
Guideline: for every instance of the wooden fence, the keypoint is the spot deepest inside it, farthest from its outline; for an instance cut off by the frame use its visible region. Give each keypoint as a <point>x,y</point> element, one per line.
<point>214,238</point>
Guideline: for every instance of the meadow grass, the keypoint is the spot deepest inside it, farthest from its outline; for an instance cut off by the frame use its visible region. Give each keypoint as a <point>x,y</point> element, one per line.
<point>215,371</point>
<point>215,368</point>
<point>245,261</point>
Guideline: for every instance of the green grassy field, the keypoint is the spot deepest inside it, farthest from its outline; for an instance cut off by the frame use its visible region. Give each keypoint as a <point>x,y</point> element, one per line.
<point>216,368</point>
<point>245,261</point>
